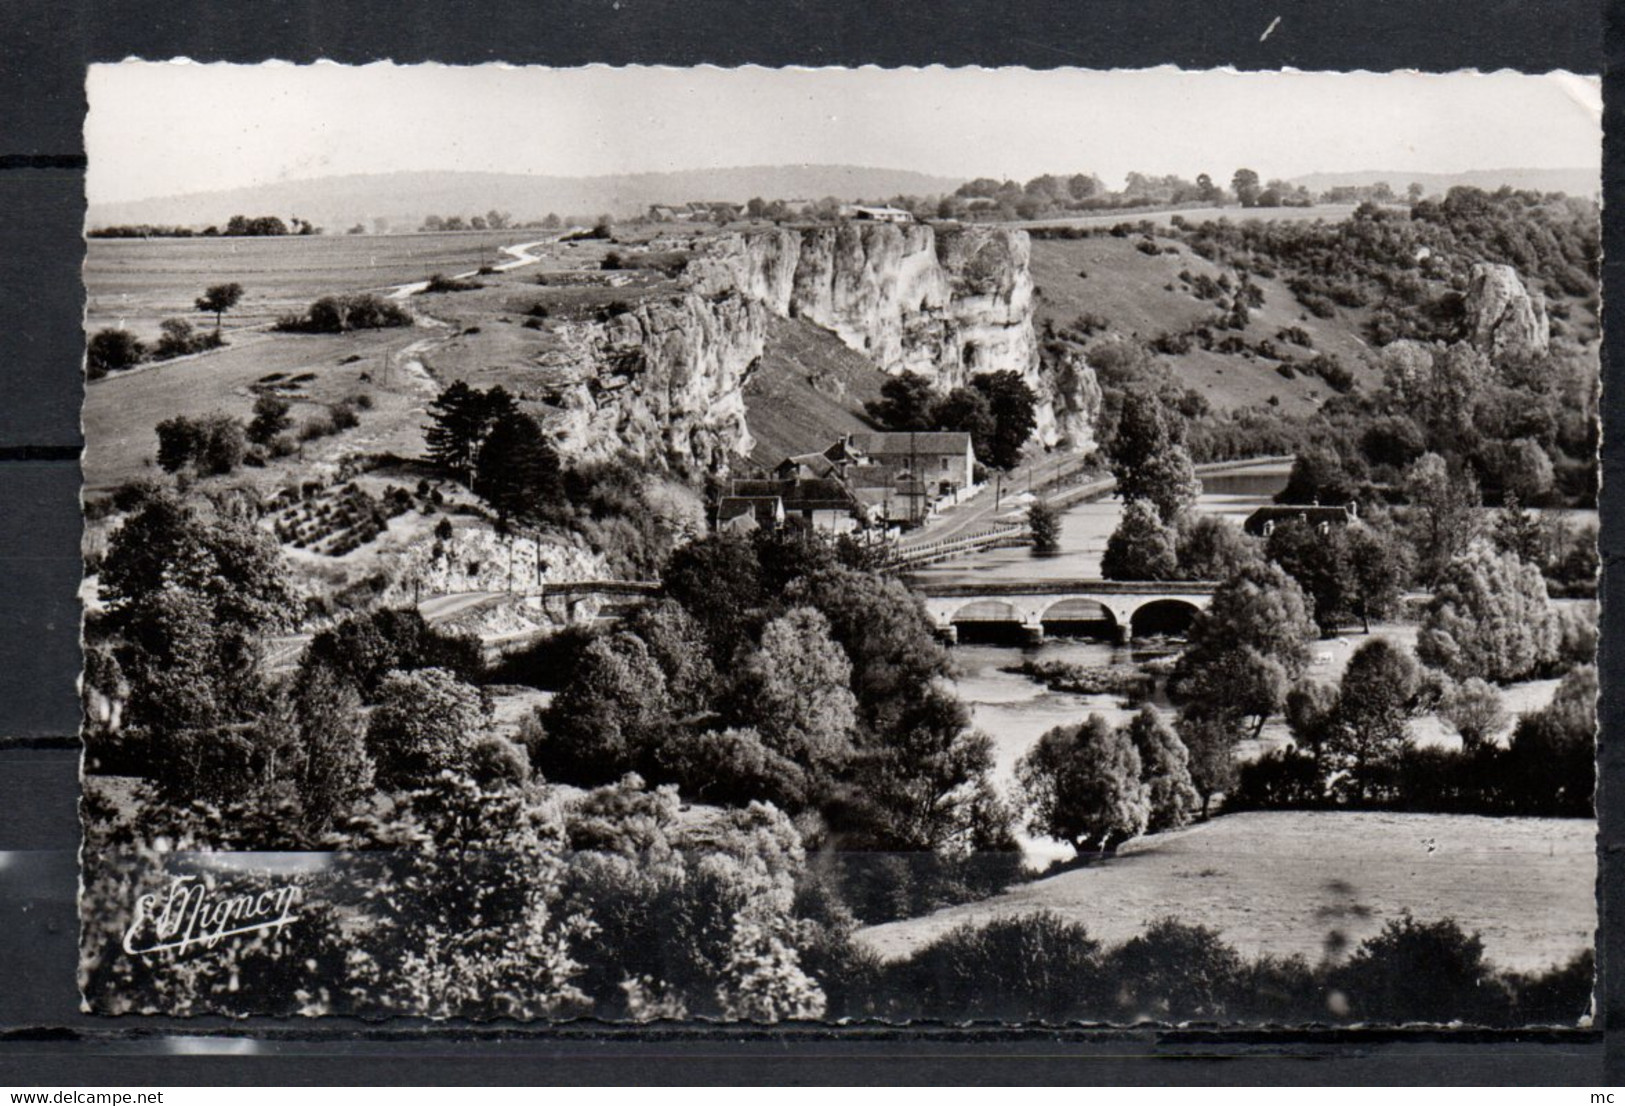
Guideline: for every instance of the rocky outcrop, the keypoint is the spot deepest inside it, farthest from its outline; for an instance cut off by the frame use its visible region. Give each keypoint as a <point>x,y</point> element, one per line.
<point>1505,319</point>
<point>477,559</point>
<point>945,303</point>
<point>1076,397</point>
<point>665,379</point>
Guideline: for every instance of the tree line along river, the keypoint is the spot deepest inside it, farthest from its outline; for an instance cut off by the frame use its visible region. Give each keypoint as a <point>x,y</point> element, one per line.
<point>1015,710</point>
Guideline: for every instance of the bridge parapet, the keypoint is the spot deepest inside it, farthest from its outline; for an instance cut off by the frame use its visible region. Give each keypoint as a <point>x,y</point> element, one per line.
<point>1073,587</point>
<point>1030,603</point>
<point>603,587</point>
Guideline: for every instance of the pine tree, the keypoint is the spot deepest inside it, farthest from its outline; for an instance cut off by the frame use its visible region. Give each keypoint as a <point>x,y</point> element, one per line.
<point>457,413</point>
<point>516,469</point>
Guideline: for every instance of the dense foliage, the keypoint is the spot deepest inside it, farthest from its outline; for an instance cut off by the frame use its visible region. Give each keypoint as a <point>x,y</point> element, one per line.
<point>1040,968</point>
<point>997,409</point>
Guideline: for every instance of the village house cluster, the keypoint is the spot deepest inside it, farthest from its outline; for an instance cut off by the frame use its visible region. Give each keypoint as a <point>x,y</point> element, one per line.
<point>881,479</point>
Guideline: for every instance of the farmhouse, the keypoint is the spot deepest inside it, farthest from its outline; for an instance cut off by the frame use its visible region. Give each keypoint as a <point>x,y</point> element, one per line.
<point>1262,521</point>
<point>941,460</point>
<point>825,505</point>
<point>805,466</point>
<point>888,493</point>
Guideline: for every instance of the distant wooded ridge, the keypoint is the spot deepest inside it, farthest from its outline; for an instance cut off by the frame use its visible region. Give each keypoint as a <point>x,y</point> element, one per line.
<point>400,201</point>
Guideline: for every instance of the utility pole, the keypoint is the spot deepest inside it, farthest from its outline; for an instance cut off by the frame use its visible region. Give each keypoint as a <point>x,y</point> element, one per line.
<point>913,470</point>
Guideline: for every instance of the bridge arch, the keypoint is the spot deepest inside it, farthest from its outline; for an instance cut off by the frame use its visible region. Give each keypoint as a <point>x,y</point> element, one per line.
<point>986,610</point>
<point>1163,616</point>
<point>1080,611</point>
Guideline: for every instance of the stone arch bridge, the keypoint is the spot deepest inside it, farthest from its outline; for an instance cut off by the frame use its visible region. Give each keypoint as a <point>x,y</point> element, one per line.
<point>1125,606</point>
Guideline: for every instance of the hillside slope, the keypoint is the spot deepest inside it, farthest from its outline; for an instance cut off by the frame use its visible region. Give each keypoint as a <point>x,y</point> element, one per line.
<point>809,389</point>
<point>1142,296</point>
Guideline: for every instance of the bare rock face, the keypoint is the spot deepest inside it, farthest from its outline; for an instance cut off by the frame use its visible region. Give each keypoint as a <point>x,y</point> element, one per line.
<point>947,304</point>
<point>1503,317</point>
<point>665,380</point>
<point>477,559</point>
<point>1076,398</point>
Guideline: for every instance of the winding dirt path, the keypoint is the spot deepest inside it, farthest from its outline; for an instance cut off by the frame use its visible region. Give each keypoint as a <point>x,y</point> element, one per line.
<point>519,256</point>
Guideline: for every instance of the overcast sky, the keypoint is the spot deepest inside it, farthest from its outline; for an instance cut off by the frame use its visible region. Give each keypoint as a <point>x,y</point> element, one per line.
<point>163,128</point>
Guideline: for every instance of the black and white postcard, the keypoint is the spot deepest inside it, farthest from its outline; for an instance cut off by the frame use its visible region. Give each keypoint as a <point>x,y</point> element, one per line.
<point>841,545</point>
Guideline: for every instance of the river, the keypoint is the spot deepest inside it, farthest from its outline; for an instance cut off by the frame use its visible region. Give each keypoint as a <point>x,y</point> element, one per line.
<point>1014,710</point>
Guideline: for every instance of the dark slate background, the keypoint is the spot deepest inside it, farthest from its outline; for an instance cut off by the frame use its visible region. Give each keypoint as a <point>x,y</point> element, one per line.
<point>43,52</point>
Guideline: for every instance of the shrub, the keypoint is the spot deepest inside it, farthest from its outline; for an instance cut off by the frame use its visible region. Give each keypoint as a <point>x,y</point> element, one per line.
<point>270,419</point>
<point>317,426</point>
<point>1318,305</point>
<point>440,283</point>
<point>426,721</point>
<point>338,314</point>
<point>494,760</point>
<point>181,339</point>
<point>1175,971</point>
<point>1045,526</point>
<point>1561,996</point>
<point>1035,967</point>
<point>1421,972</point>
<point>212,445</point>
<point>110,350</point>
<point>1283,779</point>
<point>1172,344</point>
<point>1554,749</point>
<point>733,767</point>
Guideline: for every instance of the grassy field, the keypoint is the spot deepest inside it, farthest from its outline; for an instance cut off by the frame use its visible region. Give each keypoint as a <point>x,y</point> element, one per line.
<point>135,283</point>
<point>121,410</point>
<point>1313,883</point>
<point>477,336</point>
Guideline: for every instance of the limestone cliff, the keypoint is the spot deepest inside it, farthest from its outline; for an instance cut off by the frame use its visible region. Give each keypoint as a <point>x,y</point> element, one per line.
<point>664,379</point>
<point>947,303</point>
<point>1505,319</point>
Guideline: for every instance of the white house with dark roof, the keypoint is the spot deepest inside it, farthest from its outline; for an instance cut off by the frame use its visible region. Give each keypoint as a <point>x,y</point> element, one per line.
<point>942,460</point>
<point>877,214</point>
